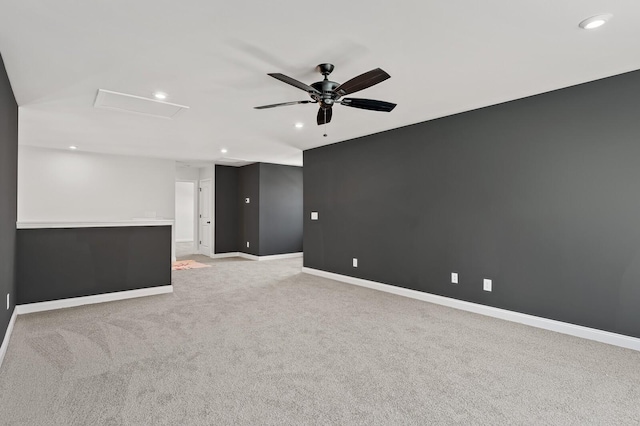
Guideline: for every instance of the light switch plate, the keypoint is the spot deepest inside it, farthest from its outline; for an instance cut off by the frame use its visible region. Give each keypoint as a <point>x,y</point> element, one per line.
<point>355,262</point>
<point>314,215</point>
<point>454,278</point>
<point>247,243</point>
<point>487,285</point>
<point>8,301</point>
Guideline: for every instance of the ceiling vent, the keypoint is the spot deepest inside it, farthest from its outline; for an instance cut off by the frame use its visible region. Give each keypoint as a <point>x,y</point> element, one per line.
<point>137,104</point>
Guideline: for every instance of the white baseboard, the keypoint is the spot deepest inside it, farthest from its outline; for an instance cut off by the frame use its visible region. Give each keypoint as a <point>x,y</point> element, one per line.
<point>254,257</point>
<point>88,300</point>
<point>223,255</point>
<point>7,336</point>
<point>272,257</point>
<point>248,256</point>
<point>539,322</point>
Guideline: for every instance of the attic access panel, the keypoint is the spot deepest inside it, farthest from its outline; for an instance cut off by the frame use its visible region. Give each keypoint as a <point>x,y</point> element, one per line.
<point>137,104</point>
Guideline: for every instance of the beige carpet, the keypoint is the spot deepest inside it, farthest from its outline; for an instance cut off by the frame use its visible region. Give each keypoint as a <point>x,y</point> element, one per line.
<point>247,342</point>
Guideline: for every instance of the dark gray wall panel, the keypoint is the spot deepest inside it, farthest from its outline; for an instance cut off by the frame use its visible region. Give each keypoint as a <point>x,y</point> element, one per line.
<point>8,197</point>
<point>62,263</point>
<point>280,209</point>
<point>249,187</point>
<point>272,221</point>
<point>539,194</point>
<point>227,210</point>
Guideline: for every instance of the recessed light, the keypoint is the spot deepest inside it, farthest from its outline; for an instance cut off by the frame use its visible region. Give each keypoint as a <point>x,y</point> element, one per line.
<point>299,125</point>
<point>224,150</point>
<point>73,147</point>
<point>160,95</point>
<point>595,21</point>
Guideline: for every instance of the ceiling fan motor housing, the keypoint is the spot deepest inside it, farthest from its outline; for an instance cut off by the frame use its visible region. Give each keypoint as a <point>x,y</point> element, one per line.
<point>327,95</point>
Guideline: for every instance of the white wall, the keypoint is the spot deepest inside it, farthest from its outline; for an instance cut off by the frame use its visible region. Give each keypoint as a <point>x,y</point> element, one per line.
<point>75,186</point>
<point>187,173</point>
<point>185,211</point>
<point>206,172</point>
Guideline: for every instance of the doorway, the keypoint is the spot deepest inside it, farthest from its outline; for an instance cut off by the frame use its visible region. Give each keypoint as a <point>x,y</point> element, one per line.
<point>185,218</point>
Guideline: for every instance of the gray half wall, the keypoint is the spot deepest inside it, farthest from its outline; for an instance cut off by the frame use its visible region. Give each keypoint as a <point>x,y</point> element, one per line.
<point>541,195</point>
<point>8,197</point>
<point>73,262</point>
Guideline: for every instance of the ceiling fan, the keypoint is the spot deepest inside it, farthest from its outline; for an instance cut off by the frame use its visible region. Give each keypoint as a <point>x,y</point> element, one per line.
<point>328,93</point>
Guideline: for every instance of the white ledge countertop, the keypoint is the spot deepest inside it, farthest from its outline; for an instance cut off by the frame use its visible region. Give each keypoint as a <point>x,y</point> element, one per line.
<point>112,224</point>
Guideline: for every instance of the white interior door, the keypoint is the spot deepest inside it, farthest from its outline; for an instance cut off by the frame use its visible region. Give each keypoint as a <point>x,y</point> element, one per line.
<point>185,212</point>
<point>204,216</point>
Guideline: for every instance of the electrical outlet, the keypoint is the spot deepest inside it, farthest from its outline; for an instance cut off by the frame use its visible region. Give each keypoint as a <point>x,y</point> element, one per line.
<point>355,262</point>
<point>247,200</point>
<point>454,278</point>
<point>247,243</point>
<point>314,215</point>
<point>487,285</point>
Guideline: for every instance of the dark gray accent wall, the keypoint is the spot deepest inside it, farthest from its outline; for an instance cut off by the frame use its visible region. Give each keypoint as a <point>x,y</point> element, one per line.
<point>62,263</point>
<point>541,195</point>
<point>8,197</point>
<point>249,226</point>
<point>281,212</point>
<point>227,210</point>
<point>272,220</point>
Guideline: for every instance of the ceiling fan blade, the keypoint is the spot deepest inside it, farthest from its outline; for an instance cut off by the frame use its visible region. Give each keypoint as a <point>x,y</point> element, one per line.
<point>294,82</point>
<point>369,104</point>
<point>324,116</point>
<point>284,104</point>
<point>362,81</point>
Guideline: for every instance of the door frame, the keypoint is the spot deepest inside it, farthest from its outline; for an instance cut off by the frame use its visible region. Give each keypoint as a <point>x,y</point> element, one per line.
<point>211,210</point>
<point>196,222</point>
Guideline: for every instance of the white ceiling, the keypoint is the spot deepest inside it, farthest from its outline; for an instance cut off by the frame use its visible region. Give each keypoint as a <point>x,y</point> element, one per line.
<point>444,57</point>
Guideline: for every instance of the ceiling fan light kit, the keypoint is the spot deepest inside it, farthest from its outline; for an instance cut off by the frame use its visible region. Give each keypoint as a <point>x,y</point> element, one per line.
<point>327,93</point>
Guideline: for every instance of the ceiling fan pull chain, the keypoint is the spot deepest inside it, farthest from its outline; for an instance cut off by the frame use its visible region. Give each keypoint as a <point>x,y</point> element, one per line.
<point>325,123</point>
